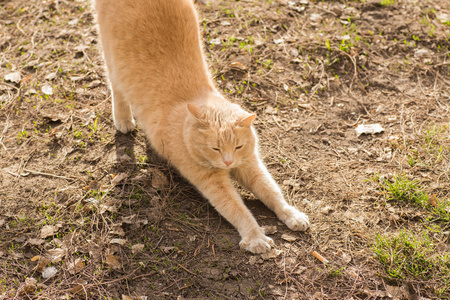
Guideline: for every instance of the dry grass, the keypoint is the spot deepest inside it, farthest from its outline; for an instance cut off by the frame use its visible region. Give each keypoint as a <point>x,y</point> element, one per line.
<point>116,222</point>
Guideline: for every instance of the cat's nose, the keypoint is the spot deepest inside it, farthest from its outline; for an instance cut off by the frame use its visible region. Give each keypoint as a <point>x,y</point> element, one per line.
<point>227,158</point>
<point>228,162</point>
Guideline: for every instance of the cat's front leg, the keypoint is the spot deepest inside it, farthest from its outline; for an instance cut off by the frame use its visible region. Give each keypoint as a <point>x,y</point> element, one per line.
<point>256,241</point>
<point>254,176</point>
<point>217,187</point>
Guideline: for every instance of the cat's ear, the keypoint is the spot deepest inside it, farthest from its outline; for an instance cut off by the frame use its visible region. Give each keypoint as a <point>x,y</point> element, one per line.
<point>194,110</point>
<point>247,121</point>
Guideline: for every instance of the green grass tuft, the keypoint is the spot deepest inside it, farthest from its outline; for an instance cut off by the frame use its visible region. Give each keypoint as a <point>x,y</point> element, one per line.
<point>414,256</point>
<point>401,189</point>
<point>404,190</point>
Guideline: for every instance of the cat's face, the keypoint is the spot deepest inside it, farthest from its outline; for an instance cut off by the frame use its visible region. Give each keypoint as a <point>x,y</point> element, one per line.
<point>220,141</point>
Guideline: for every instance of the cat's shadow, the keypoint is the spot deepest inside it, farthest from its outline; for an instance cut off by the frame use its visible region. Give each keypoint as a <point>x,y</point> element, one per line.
<point>125,144</point>
<point>125,151</point>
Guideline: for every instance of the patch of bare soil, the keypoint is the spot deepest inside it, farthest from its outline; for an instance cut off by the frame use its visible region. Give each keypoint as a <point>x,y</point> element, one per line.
<point>87,212</point>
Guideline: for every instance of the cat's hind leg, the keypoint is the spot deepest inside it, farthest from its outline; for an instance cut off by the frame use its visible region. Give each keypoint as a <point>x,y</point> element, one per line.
<point>123,118</point>
<point>255,177</point>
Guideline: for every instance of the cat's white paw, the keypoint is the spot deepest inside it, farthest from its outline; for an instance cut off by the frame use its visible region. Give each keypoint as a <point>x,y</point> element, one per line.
<point>258,243</point>
<point>294,219</point>
<point>124,126</point>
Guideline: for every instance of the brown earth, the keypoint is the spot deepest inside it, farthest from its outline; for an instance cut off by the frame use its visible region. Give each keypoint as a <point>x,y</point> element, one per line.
<point>312,71</point>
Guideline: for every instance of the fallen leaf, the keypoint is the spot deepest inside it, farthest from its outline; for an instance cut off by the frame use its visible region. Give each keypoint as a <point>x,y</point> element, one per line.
<point>167,249</point>
<point>13,77</point>
<point>76,266</point>
<point>295,183</point>
<point>159,180</point>
<point>94,251</point>
<point>395,292</point>
<point>137,248</point>
<point>326,210</point>
<point>238,65</point>
<point>73,22</point>
<point>34,258</point>
<point>125,297</point>
<point>368,129</point>
<point>49,272</point>
<point>215,41</point>
<point>113,261</point>
<point>80,281</point>
<point>352,272</point>
<point>129,219</point>
<point>19,239</point>
<point>315,17</point>
<point>76,78</point>
<point>16,255</point>
<point>92,201</point>
<point>94,84</point>
<point>422,53</point>
<point>278,41</point>
<point>252,260</point>
<point>56,254</point>
<point>89,117</point>
<point>29,286</point>
<point>433,200</point>
<point>31,281</point>
<point>48,230</point>
<point>304,105</point>
<point>47,89</point>
<point>444,18</point>
<point>346,258</point>
<point>271,254</point>
<point>108,206</point>
<point>76,289</point>
<point>121,242</point>
<point>289,238</point>
<point>79,285</point>
<point>318,295</point>
<point>124,158</point>
<point>117,229</point>
<point>118,178</point>
<point>57,132</point>
<point>36,242</point>
<point>43,262</point>
<point>293,52</point>
<point>50,76</point>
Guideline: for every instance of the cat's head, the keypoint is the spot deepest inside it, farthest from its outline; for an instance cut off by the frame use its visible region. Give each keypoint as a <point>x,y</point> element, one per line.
<point>220,137</point>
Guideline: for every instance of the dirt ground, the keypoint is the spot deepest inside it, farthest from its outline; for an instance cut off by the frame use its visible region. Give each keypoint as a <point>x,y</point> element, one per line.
<point>89,213</point>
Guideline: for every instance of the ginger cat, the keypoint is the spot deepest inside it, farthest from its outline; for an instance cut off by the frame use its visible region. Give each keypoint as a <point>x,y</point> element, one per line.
<point>158,75</point>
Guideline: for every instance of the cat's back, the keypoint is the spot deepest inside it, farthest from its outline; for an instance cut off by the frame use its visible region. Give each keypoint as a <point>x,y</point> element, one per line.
<point>157,40</point>
<point>161,26</point>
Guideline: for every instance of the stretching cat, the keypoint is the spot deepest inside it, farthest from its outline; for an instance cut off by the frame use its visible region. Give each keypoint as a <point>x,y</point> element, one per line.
<point>158,74</point>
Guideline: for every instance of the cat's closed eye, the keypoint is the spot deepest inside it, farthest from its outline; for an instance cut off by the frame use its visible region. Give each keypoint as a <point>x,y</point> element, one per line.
<point>215,149</point>
<point>239,147</point>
